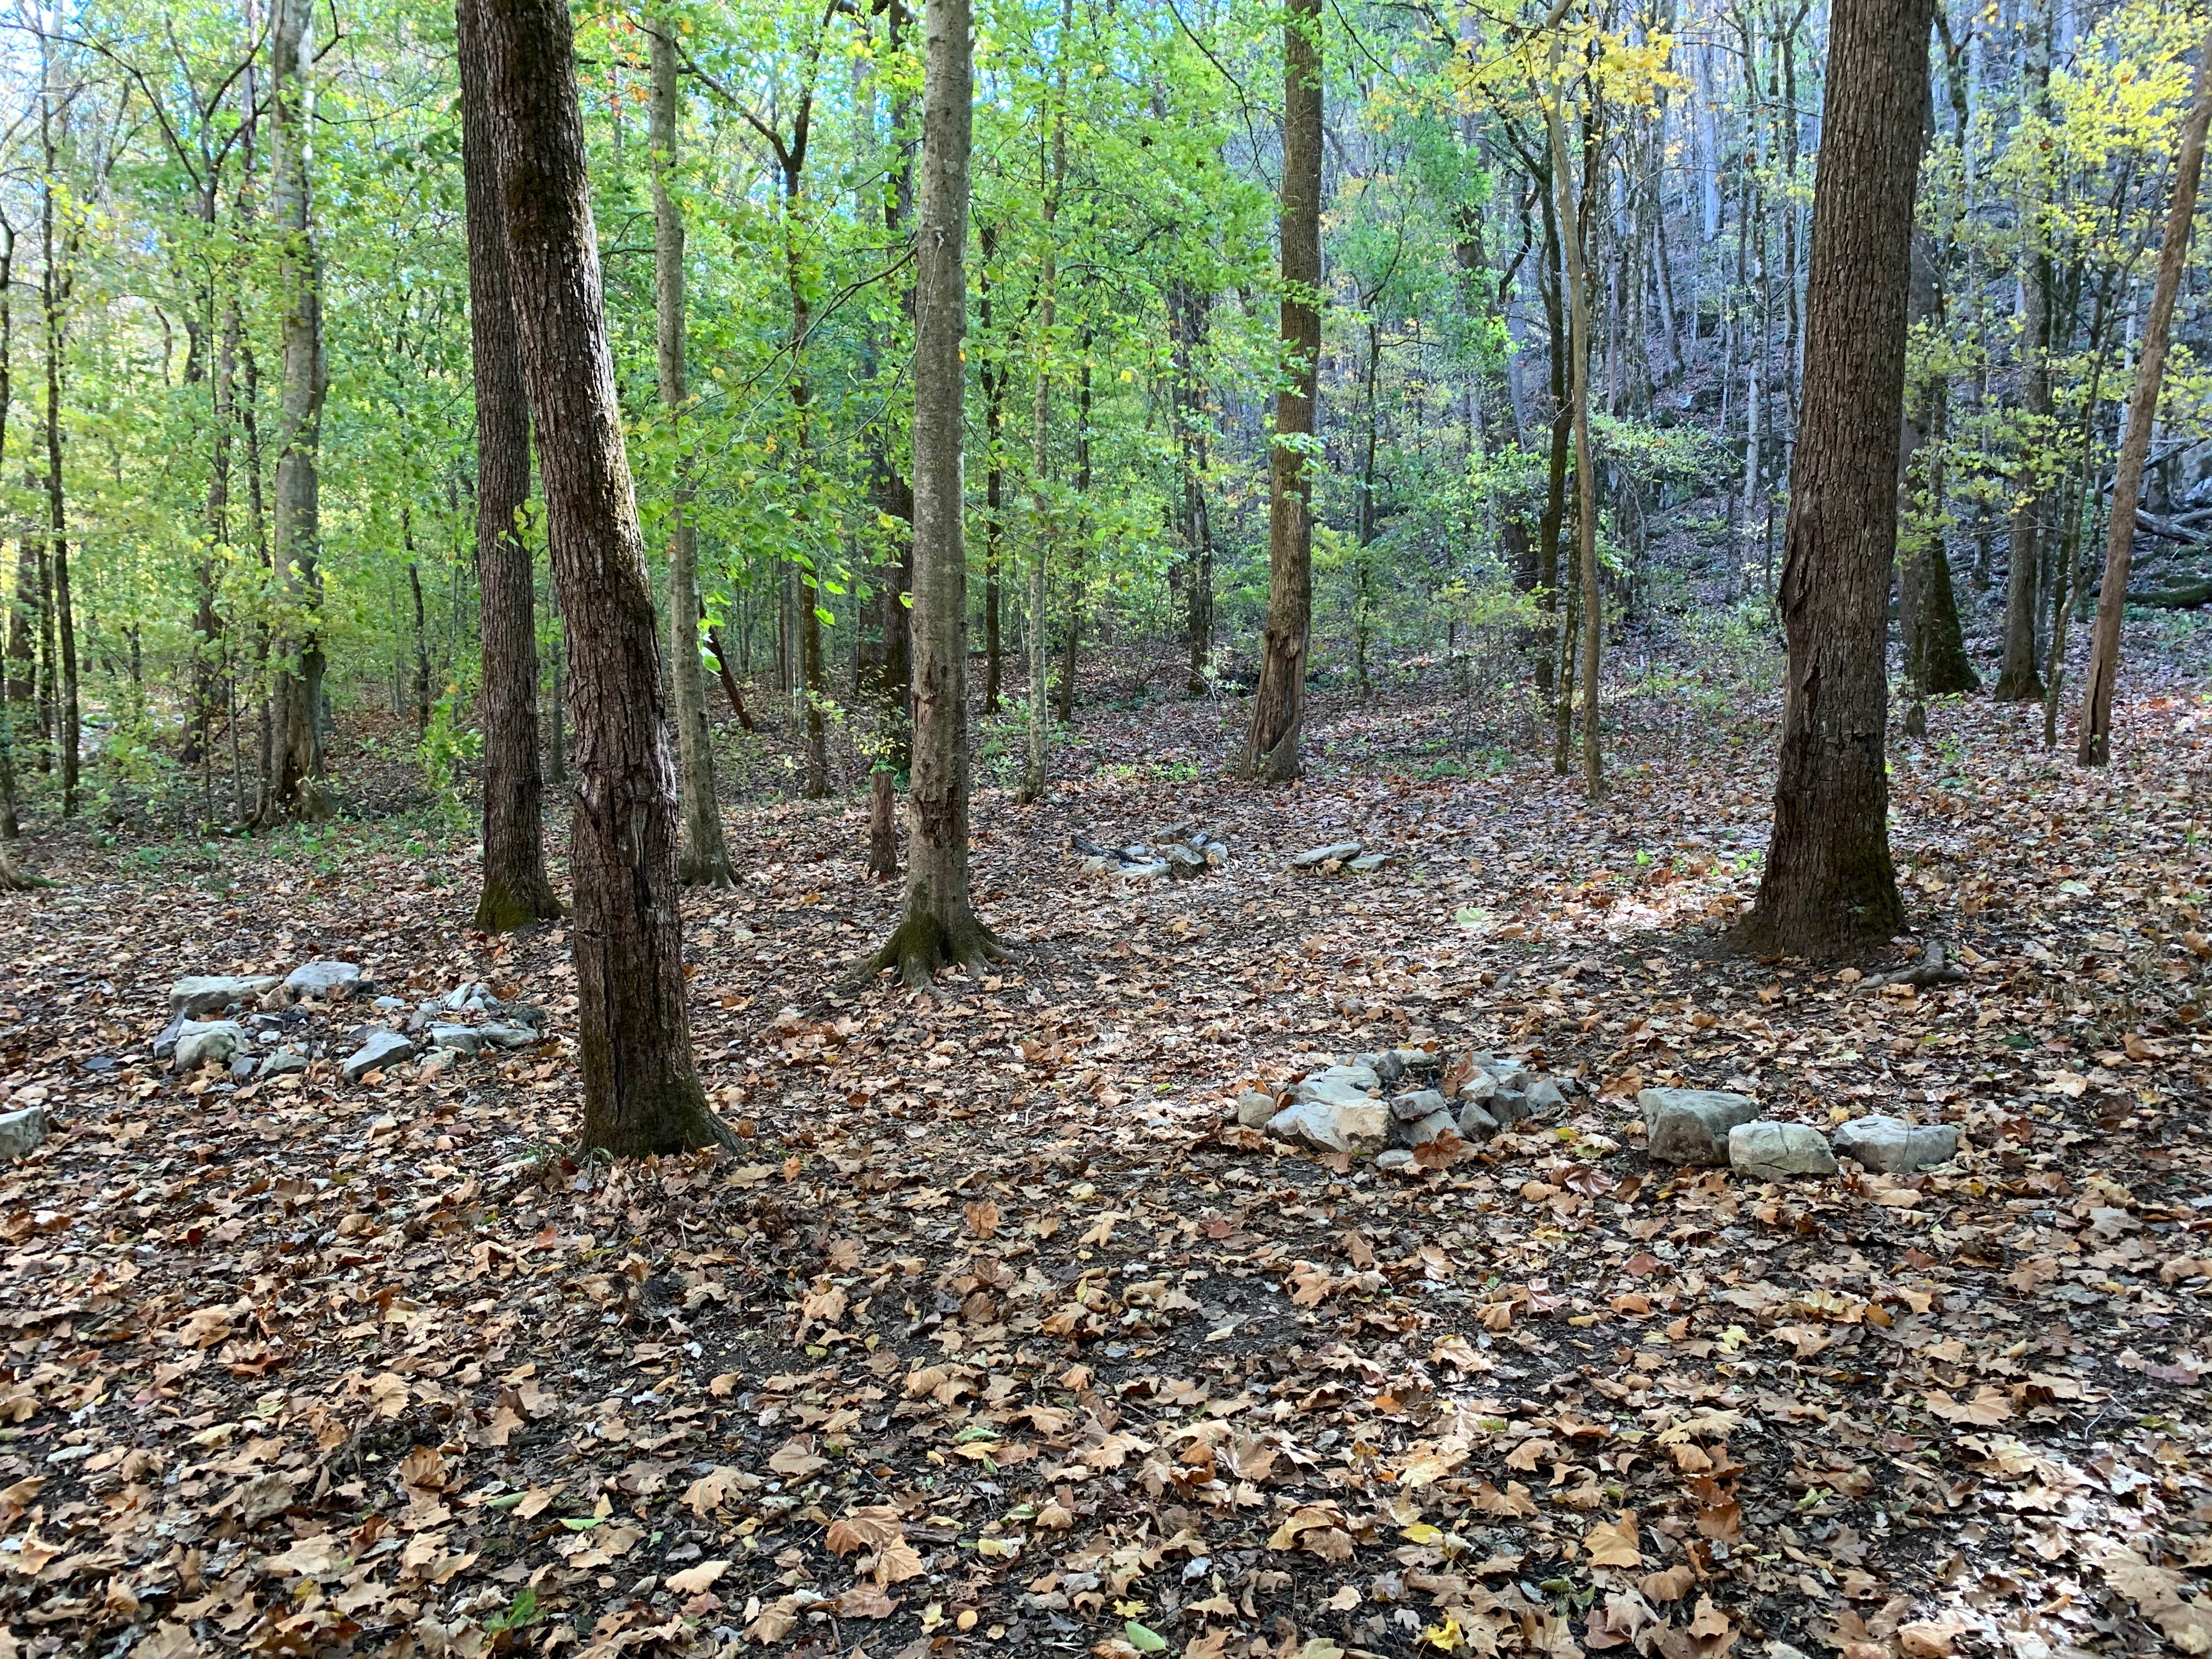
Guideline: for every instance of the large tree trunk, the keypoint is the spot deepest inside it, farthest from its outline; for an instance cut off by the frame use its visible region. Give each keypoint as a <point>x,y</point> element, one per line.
<point>702,856</point>
<point>1032,784</point>
<point>1579,311</point>
<point>641,1092</point>
<point>516,891</point>
<point>1828,884</point>
<point>296,788</point>
<point>994,375</point>
<point>54,289</point>
<point>1272,748</point>
<point>938,924</point>
<point>2018,679</point>
<point>2094,741</point>
<point>1187,317</point>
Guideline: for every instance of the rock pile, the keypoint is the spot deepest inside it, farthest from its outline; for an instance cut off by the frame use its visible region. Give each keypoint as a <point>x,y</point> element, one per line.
<point>1175,854</point>
<point>281,1034</point>
<point>1394,1101</point>
<point>1710,1128</point>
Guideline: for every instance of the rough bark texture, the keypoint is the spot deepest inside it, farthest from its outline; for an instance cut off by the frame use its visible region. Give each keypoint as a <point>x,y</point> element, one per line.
<point>1579,313</point>
<point>1829,884</point>
<point>641,1092</point>
<point>296,787</point>
<point>2094,741</point>
<point>1271,749</point>
<point>938,924</point>
<point>703,855</point>
<point>2018,679</point>
<point>516,889</point>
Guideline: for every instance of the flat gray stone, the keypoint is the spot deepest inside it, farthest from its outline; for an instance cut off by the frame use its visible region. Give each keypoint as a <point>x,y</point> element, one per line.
<point>1422,1102</point>
<point>378,1050</point>
<point>1396,1158</point>
<point>1476,1122</point>
<point>1254,1109</point>
<point>1419,1132</point>
<point>21,1131</point>
<point>208,1041</point>
<point>1890,1146</point>
<point>1481,1086</point>
<point>1367,863</point>
<point>324,979</point>
<point>1388,1067</point>
<point>208,993</point>
<point>1767,1150</point>
<point>1691,1125</point>
<point>1335,852</point>
<point>1329,1127</point>
<point>1544,1094</point>
<point>462,1039</point>
<point>1508,1106</point>
<point>1419,1062</point>
<point>283,1061</point>
<point>508,1036</point>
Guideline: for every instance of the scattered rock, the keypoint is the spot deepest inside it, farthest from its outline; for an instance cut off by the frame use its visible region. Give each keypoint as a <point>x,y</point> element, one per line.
<point>1508,1106</point>
<point>1388,1065</point>
<point>461,1039</point>
<point>21,1131</point>
<point>203,1042</point>
<point>507,1036</point>
<point>283,1061</point>
<point>1890,1146</point>
<point>323,981</point>
<point>1418,1132</point>
<point>1333,1127</point>
<point>1475,1123</point>
<point>1326,1091</point>
<point>1767,1150</point>
<point>1254,1109</point>
<point>438,1062</point>
<point>1337,851</point>
<point>1420,1104</point>
<point>1368,863</point>
<point>1544,1094</point>
<point>207,993</point>
<point>1178,853</point>
<point>392,1005</point>
<point>1691,1125</point>
<point>1396,1158</point>
<point>378,1050</point>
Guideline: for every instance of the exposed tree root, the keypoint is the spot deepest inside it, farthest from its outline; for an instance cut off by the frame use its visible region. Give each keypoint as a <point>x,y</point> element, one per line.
<point>923,943</point>
<point>14,877</point>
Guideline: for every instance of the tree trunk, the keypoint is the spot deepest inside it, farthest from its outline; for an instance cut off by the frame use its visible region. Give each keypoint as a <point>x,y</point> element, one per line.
<point>1272,749</point>
<point>1828,884</point>
<point>938,924</point>
<point>1586,477</point>
<point>296,788</point>
<point>994,376</point>
<point>703,855</point>
<point>2095,742</point>
<point>641,1092</point>
<point>1032,784</point>
<point>517,890</point>
<point>2018,679</point>
<point>54,284</point>
<point>422,709</point>
<point>1188,318</point>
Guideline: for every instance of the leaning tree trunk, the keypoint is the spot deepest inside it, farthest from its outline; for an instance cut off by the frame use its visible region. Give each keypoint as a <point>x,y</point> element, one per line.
<point>297,789</point>
<point>1828,884</point>
<point>703,856</point>
<point>939,924</point>
<point>1271,749</point>
<point>641,1092</point>
<point>2094,743</point>
<point>516,891</point>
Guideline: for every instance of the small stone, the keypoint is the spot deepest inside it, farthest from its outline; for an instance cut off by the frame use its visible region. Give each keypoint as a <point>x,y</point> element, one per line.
<point>1149,870</point>
<point>1387,1065</point>
<point>21,1131</point>
<point>1419,1062</point>
<point>508,1036</point>
<point>1421,1130</point>
<point>323,982</point>
<point>527,1013</point>
<point>1475,1124</point>
<point>1768,1151</point>
<point>438,1062</point>
<point>1544,1094</point>
<point>1691,1125</point>
<point>206,994</point>
<point>204,1041</point>
<point>463,1039</point>
<point>1508,1106</point>
<point>1480,1086</point>
<point>1890,1146</point>
<point>1510,1074</point>
<point>379,1050</point>
<point>1396,1158</point>
<point>284,1061</point>
<point>1411,1108</point>
<point>1334,853</point>
<point>392,1005</point>
<point>1254,1109</point>
<point>242,1065</point>
<point>1331,1127</point>
<point>1367,863</point>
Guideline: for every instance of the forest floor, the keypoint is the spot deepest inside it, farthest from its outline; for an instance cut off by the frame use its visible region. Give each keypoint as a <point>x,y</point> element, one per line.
<point>993,1343</point>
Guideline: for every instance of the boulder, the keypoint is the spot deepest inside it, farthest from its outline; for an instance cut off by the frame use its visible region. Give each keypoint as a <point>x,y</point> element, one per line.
<point>1333,1127</point>
<point>1420,1104</point>
<point>1691,1125</point>
<point>1890,1146</point>
<point>1254,1109</point>
<point>208,993</point>
<point>21,1131</point>
<point>1335,852</point>
<point>1767,1150</point>
<point>323,981</point>
<point>379,1050</point>
<point>1476,1122</point>
<point>507,1036</point>
<point>203,1041</point>
<point>462,1039</point>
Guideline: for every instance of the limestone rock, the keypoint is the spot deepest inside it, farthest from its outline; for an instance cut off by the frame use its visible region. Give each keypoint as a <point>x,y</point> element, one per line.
<point>1767,1150</point>
<point>1422,1102</point>
<point>1397,1160</point>
<point>507,1036</point>
<point>1419,1132</point>
<point>1254,1109</point>
<point>378,1050</point>
<point>1367,863</point>
<point>1388,1067</point>
<point>207,993</point>
<point>1508,1106</point>
<point>1333,1127</point>
<point>1335,852</point>
<point>1890,1146</point>
<point>1476,1122</point>
<point>1544,1094</point>
<point>203,1042</point>
<point>21,1131</point>
<point>283,1061</point>
<point>323,982</point>
<point>461,1039</point>
<point>1691,1125</point>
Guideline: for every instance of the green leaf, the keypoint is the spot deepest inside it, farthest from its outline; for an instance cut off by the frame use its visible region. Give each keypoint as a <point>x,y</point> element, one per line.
<point>1145,1641</point>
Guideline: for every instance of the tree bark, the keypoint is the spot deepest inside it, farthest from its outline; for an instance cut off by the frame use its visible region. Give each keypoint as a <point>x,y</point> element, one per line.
<point>1032,785</point>
<point>1579,311</point>
<point>296,787</point>
<point>702,856</point>
<point>54,284</point>
<point>1187,317</point>
<point>1829,884</point>
<point>993,373</point>
<point>642,1091</point>
<point>938,924</point>
<point>2095,740</point>
<point>2017,680</point>
<point>1272,748</point>
<point>516,890</point>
